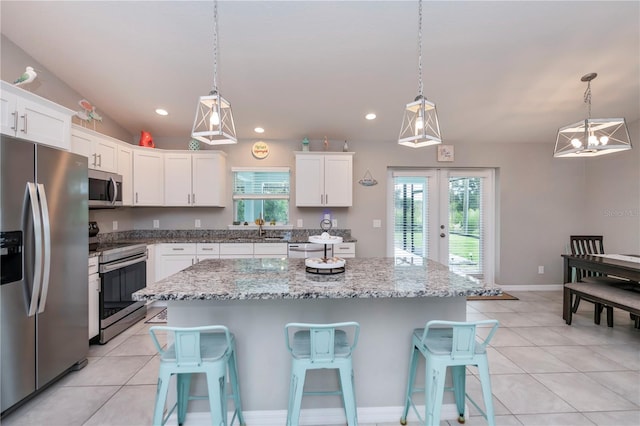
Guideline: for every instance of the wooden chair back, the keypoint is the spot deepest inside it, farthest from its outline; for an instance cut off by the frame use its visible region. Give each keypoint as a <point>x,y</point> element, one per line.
<point>586,244</point>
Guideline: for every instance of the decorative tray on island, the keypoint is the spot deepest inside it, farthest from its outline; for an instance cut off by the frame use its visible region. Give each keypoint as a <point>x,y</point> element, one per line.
<point>325,238</point>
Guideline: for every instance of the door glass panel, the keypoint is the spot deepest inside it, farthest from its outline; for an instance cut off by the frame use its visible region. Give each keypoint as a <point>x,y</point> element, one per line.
<point>465,225</point>
<point>410,240</point>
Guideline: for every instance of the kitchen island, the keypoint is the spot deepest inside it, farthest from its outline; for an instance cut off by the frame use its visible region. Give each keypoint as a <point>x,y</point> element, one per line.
<point>255,298</point>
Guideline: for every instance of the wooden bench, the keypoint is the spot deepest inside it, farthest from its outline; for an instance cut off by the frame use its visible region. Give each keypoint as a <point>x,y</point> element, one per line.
<point>604,295</point>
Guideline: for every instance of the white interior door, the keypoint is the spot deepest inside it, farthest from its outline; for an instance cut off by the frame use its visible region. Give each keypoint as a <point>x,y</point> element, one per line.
<point>446,215</point>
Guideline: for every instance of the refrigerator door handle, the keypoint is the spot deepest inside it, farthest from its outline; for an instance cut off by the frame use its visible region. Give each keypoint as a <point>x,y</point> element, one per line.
<point>46,227</point>
<point>31,193</point>
<point>115,189</point>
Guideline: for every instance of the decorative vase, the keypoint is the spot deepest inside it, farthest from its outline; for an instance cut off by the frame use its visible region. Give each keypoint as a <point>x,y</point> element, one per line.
<point>194,145</point>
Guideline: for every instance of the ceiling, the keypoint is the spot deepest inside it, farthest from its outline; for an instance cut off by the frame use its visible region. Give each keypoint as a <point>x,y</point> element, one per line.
<point>497,71</point>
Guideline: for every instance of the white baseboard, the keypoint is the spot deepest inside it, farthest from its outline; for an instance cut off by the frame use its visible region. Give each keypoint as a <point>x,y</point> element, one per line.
<point>320,416</point>
<point>532,287</point>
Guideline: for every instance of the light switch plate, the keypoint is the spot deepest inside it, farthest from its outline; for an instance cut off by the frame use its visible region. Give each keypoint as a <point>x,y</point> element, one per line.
<point>115,225</point>
<point>156,223</point>
<point>299,224</point>
<point>541,269</point>
<point>377,223</point>
<point>334,223</point>
<point>198,223</point>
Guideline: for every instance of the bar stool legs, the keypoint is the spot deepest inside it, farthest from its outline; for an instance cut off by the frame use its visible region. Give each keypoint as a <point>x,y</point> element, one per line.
<point>449,345</point>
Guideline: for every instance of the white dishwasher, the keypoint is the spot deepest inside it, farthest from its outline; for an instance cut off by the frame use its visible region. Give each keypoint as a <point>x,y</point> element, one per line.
<point>305,250</point>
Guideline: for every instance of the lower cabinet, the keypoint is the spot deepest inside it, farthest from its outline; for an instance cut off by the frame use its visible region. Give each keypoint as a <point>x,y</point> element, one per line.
<point>151,264</point>
<point>174,257</point>
<point>344,250</point>
<point>270,250</point>
<point>94,298</point>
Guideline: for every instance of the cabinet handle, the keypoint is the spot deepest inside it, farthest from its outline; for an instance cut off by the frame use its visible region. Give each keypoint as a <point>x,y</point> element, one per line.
<point>100,162</point>
<point>136,198</point>
<point>326,198</point>
<point>95,160</point>
<point>321,198</point>
<point>177,248</point>
<point>24,129</point>
<point>193,198</point>
<point>15,120</point>
<point>188,199</point>
<point>206,249</point>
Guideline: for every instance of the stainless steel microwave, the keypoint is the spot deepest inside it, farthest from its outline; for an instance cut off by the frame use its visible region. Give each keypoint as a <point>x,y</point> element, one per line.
<point>105,189</point>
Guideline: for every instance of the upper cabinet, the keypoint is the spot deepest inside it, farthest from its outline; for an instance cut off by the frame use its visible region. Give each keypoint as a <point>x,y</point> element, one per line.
<point>101,150</point>
<point>28,116</point>
<point>324,179</point>
<point>125,169</point>
<point>148,177</point>
<point>194,179</point>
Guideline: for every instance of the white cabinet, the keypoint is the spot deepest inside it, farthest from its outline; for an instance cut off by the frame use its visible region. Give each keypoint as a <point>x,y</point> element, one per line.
<point>207,251</point>
<point>324,179</point>
<point>100,150</point>
<point>270,250</point>
<point>29,116</point>
<point>174,257</point>
<point>94,298</point>
<point>125,169</point>
<point>151,264</point>
<point>344,250</point>
<point>236,250</point>
<point>194,179</point>
<point>148,177</point>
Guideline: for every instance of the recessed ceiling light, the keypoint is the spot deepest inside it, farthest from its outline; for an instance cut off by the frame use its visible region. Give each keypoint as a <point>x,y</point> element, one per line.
<point>258,130</point>
<point>370,116</point>
<point>161,111</point>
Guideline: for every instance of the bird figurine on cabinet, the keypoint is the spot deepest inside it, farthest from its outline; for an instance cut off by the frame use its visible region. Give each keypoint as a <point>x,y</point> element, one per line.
<point>27,77</point>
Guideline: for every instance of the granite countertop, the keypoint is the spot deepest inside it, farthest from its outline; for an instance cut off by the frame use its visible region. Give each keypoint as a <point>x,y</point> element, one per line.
<point>242,279</point>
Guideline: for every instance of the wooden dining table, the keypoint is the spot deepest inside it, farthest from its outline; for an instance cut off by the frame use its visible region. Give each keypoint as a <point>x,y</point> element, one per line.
<point>622,266</point>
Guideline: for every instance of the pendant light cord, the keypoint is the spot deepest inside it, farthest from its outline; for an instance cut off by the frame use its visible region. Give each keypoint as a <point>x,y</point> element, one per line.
<point>420,86</point>
<point>215,47</point>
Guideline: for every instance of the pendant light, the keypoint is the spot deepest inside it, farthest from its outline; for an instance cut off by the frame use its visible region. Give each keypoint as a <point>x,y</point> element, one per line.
<point>213,124</point>
<point>592,136</point>
<point>420,122</point>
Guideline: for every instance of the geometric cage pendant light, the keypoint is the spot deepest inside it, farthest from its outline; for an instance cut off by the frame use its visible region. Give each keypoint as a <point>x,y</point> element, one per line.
<point>592,136</point>
<point>213,123</point>
<point>420,125</point>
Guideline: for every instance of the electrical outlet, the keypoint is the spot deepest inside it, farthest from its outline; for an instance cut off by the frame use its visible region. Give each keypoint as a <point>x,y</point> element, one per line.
<point>115,225</point>
<point>541,269</point>
<point>198,223</point>
<point>299,224</point>
<point>327,216</point>
<point>377,223</point>
<point>334,223</point>
<point>156,223</point>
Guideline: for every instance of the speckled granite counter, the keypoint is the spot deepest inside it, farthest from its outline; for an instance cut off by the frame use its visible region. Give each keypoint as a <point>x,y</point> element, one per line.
<point>241,279</point>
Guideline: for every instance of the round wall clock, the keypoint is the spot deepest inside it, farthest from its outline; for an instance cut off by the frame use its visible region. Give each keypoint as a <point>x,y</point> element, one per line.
<point>260,150</point>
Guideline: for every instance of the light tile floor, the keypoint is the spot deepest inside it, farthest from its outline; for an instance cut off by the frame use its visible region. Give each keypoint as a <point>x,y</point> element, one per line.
<point>543,372</point>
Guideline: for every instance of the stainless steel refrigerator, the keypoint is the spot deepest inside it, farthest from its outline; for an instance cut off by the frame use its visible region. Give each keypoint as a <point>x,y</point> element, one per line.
<point>43,249</point>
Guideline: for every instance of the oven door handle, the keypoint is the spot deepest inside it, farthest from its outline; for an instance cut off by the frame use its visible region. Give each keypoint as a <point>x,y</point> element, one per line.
<point>114,266</point>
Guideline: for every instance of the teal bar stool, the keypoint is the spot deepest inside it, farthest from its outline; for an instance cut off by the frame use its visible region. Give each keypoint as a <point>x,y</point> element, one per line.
<point>449,344</point>
<point>321,346</point>
<point>209,350</point>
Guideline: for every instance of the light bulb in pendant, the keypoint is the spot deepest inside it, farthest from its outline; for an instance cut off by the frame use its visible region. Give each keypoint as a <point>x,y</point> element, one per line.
<point>419,124</point>
<point>604,140</point>
<point>576,143</point>
<point>214,119</point>
<point>593,141</point>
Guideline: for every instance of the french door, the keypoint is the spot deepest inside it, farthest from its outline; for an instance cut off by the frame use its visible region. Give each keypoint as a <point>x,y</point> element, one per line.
<point>446,215</point>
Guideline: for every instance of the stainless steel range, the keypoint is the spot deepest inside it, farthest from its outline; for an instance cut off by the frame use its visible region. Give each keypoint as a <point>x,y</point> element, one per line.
<point>123,271</point>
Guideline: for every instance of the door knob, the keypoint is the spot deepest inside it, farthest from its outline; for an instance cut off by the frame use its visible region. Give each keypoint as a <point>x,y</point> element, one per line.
<point>442,235</point>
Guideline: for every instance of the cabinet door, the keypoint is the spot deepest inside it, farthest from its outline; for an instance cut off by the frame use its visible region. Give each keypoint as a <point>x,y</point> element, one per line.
<point>106,155</point>
<point>8,113</point>
<point>177,179</point>
<point>94,305</point>
<point>82,144</point>
<point>170,264</point>
<point>338,180</point>
<point>309,180</point>
<point>125,168</point>
<point>151,264</point>
<point>209,180</point>
<point>148,177</point>
<point>44,125</point>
